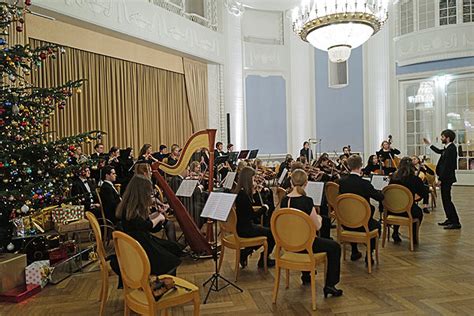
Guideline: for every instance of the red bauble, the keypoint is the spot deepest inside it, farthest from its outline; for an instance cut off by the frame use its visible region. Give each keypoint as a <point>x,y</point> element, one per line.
<point>24,123</point>
<point>72,148</point>
<point>28,2</point>
<point>1,164</point>
<point>42,55</point>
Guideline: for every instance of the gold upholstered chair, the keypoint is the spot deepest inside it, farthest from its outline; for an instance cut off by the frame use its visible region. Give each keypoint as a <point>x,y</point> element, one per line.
<point>280,194</point>
<point>104,268</point>
<point>137,294</point>
<point>294,232</point>
<point>398,199</point>
<point>331,189</point>
<point>230,239</point>
<point>353,211</point>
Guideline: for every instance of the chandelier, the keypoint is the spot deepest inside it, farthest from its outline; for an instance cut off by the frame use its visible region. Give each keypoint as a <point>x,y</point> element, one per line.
<point>338,26</point>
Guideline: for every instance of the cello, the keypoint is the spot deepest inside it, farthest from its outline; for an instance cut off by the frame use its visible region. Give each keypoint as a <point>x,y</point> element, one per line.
<point>201,139</point>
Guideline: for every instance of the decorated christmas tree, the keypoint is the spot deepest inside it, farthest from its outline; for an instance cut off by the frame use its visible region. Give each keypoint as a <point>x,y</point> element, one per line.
<point>35,166</point>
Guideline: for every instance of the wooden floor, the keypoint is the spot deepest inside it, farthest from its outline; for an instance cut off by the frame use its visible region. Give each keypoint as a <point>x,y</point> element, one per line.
<point>436,279</point>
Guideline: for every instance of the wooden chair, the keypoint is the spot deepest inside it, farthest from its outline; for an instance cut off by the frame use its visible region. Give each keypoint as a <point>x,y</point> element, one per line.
<point>230,239</point>
<point>398,199</point>
<point>353,211</point>
<point>280,194</point>
<point>106,223</point>
<point>432,184</point>
<point>294,231</point>
<point>104,269</point>
<point>331,189</point>
<point>135,270</point>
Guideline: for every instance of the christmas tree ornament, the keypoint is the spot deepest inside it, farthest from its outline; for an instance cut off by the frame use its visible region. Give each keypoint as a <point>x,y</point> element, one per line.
<point>25,209</point>
<point>10,247</point>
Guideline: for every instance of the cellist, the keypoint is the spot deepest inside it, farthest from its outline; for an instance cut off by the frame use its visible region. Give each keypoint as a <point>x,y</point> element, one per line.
<point>386,156</point>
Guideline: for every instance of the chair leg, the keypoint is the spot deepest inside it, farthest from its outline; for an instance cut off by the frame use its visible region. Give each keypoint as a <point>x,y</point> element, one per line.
<point>369,261</point>
<point>126,309</point>
<point>237,261</point>
<point>221,259</point>
<point>384,234</point>
<point>104,294</point>
<point>265,256</point>
<point>410,233</point>
<point>377,250</point>
<point>287,285</point>
<point>277,284</point>
<point>197,304</point>
<point>418,224</point>
<point>325,270</point>
<point>313,289</point>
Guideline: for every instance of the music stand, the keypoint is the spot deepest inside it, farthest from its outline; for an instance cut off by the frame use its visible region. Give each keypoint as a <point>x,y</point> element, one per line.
<point>243,154</point>
<point>253,154</point>
<point>217,208</point>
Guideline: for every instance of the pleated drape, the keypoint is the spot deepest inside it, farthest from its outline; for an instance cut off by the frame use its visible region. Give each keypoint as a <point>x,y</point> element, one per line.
<point>195,74</point>
<point>133,103</point>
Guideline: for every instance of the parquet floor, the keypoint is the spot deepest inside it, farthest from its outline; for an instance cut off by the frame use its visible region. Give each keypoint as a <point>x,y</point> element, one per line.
<point>436,279</point>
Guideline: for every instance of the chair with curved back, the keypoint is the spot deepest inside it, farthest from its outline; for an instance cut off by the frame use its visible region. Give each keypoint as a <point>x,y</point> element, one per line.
<point>106,223</point>
<point>294,232</point>
<point>398,199</point>
<point>104,270</point>
<point>280,194</point>
<point>432,184</point>
<point>135,270</point>
<point>230,239</point>
<point>331,189</point>
<point>353,211</point>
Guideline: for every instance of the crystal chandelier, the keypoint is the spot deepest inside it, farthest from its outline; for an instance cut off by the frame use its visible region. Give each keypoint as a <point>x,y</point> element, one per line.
<point>338,26</point>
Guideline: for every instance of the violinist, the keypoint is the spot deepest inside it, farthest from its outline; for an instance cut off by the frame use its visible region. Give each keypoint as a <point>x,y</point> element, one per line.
<point>387,155</point>
<point>174,155</point>
<point>373,166</point>
<point>219,149</point>
<point>246,227</point>
<point>196,174</point>
<point>421,171</point>
<point>306,152</point>
<point>346,150</point>
<point>162,154</point>
<point>285,164</point>
<point>343,166</point>
<point>327,166</point>
<point>230,148</point>
<point>114,154</point>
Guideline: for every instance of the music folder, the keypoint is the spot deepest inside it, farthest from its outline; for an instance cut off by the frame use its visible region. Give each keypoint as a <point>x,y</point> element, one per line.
<point>229,180</point>
<point>220,159</point>
<point>233,157</point>
<point>243,154</point>
<point>380,181</point>
<point>218,206</point>
<point>283,175</point>
<point>253,154</point>
<point>315,190</point>
<point>186,189</point>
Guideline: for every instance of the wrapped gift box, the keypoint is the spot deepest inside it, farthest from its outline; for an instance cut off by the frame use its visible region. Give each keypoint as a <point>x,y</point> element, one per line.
<point>20,293</point>
<point>81,224</point>
<point>38,273</point>
<point>57,255</point>
<point>67,213</point>
<point>12,271</point>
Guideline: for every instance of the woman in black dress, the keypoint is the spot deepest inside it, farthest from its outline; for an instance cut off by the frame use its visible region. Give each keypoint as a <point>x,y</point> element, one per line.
<point>373,165</point>
<point>386,154</point>
<point>246,227</point>
<point>405,175</point>
<point>297,199</point>
<point>139,223</point>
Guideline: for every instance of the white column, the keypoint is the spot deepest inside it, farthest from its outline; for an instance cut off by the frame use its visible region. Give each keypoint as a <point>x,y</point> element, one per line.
<point>233,80</point>
<point>302,107</point>
<point>376,90</point>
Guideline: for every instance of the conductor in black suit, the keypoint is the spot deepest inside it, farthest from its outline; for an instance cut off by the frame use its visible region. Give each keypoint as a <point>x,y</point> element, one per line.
<point>354,183</point>
<point>446,171</point>
<point>108,194</point>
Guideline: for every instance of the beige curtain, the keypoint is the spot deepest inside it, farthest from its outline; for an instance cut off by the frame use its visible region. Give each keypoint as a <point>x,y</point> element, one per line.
<point>195,74</point>
<point>134,104</point>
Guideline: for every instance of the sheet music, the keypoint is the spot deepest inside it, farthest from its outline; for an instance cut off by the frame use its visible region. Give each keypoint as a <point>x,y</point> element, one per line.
<point>315,190</point>
<point>283,175</point>
<point>379,181</point>
<point>229,180</point>
<point>187,187</point>
<point>218,205</point>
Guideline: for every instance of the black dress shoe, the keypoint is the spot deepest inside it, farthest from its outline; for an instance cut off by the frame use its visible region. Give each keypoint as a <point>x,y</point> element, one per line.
<point>356,256</point>
<point>244,254</point>
<point>453,226</point>
<point>270,263</point>
<point>426,211</point>
<point>396,238</point>
<point>332,290</point>
<point>445,223</point>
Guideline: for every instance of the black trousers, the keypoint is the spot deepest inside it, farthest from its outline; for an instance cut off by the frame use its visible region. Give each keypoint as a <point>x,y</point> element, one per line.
<point>416,212</point>
<point>449,208</point>
<point>333,252</point>
<point>373,224</point>
<point>255,231</point>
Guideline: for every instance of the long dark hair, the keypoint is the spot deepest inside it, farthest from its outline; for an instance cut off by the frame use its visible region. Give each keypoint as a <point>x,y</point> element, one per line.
<point>370,162</point>
<point>245,181</point>
<point>405,169</point>
<point>136,200</point>
<point>144,149</point>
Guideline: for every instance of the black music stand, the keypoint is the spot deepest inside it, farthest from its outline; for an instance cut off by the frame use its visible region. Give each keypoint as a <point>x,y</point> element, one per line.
<point>224,201</point>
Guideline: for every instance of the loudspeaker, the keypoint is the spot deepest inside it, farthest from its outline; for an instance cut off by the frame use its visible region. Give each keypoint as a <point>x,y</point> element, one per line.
<point>338,74</point>
<point>228,128</point>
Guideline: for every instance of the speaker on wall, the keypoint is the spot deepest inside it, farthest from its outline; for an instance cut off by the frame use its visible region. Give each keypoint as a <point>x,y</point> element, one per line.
<point>338,74</point>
